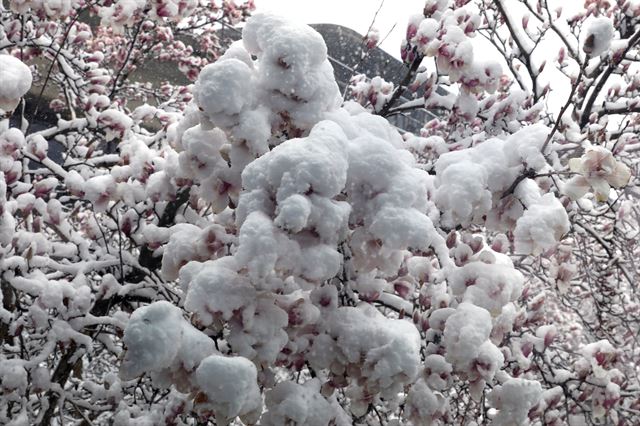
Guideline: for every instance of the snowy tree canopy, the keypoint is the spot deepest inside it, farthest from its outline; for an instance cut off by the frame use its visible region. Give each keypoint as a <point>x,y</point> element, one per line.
<point>251,246</point>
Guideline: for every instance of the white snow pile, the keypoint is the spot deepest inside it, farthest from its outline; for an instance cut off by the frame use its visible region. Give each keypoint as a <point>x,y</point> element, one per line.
<point>229,388</point>
<point>159,341</point>
<point>471,185</point>
<point>239,102</point>
<point>291,76</point>
<point>343,172</point>
<point>384,353</point>
<point>513,400</point>
<point>189,242</point>
<point>472,181</point>
<point>16,81</point>
<point>291,403</point>
<point>424,406</point>
<point>216,292</point>
<point>490,286</point>
<point>14,376</point>
<point>598,36</point>
<point>467,344</point>
<point>293,71</point>
<point>541,226</point>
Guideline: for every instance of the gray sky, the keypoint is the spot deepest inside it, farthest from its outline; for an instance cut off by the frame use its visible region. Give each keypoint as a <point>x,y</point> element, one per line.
<point>355,14</point>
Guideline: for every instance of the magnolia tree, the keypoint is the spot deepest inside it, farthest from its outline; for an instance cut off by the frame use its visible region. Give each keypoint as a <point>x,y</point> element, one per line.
<point>254,249</point>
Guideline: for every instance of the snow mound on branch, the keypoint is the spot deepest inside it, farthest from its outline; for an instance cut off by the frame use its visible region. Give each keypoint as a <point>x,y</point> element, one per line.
<point>290,84</point>
<point>161,342</point>
<point>294,72</point>
<point>16,81</point>
<point>424,406</point>
<point>14,376</point>
<point>541,226</point>
<point>343,172</point>
<point>467,345</point>
<point>471,181</point>
<point>474,185</point>
<point>189,242</point>
<point>229,387</point>
<point>291,403</point>
<point>514,399</point>
<point>215,291</point>
<point>386,352</point>
<point>224,88</point>
<point>597,38</point>
<point>490,286</point>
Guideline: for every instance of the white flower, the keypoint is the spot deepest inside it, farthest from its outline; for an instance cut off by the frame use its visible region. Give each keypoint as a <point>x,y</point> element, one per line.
<point>596,169</point>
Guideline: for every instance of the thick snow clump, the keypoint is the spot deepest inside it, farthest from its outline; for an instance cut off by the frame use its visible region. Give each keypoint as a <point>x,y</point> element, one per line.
<point>16,81</point>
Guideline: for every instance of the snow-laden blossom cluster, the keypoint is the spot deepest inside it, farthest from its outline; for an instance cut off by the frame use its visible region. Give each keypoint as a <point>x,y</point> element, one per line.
<point>253,249</point>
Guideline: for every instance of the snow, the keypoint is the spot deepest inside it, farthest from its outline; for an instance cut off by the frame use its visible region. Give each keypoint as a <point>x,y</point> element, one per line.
<point>16,81</point>
<point>215,291</point>
<point>514,399</point>
<point>467,345</point>
<point>471,181</point>
<point>437,372</point>
<point>424,406</point>
<point>257,243</point>
<point>293,213</point>
<point>598,354</point>
<point>115,123</point>
<point>385,351</point>
<point>150,339</point>
<point>224,88</point>
<point>598,36</point>
<point>160,342</point>
<point>293,68</point>
<point>230,386</point>
<point>541,226</point>
<point>99,190</point>
<point>490,286</point>
<point>14,376</point>
<point>299,404</point>
<point>180,249</point>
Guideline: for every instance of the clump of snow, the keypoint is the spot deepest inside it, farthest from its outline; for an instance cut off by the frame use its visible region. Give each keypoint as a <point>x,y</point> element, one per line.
<point>99,190</point>
<point>294,72</point>
<point>215,291</point>
<point>598,36</point>
<point>115,123</point>
<point>490,286</point>
<point>384,352</point>
<point>599,356</point>
<point>303,404</point>
<point>16,81</point>
<point>541,226</point>
<point>424,406</point>
<point>229,388</point>
<point>471,181</point>
<point>161,342</point>
<point>513,399</point>
<point>467,345</point>
<point>225,88</point>
<point>189,242</point>
<point>13,376</point>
